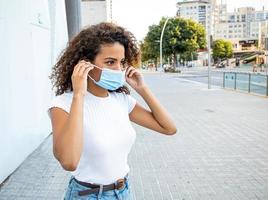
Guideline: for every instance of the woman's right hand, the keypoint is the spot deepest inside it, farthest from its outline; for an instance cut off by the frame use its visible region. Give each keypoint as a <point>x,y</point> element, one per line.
<point>79,77</point>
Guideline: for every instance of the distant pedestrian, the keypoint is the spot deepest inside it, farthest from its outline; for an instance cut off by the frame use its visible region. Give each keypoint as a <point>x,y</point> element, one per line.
<point>262,65</point>
<point>255,67</point>
<point>92,111</point>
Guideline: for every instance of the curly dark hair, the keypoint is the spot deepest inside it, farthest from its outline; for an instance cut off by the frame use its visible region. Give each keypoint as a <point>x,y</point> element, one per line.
<point>86,45</point>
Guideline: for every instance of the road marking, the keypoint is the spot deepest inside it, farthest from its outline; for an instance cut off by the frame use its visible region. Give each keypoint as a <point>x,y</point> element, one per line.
<point>199,83</point>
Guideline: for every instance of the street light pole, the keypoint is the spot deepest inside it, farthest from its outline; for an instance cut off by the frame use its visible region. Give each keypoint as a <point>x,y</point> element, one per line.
<point>161,40</point>
<point>209,44</point>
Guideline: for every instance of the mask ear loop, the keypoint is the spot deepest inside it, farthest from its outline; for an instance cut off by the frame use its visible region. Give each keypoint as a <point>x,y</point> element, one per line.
<point>91,77</point>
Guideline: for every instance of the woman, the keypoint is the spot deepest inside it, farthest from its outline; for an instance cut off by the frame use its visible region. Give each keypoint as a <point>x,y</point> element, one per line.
<point>92,111</point>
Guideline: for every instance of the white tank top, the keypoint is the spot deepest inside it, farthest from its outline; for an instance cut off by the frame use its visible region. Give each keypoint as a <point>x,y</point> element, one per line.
<point>108,135</point>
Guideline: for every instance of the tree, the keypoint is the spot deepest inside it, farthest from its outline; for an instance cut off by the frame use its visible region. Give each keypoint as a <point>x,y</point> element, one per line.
<point>222,49</point>
<point>150,45</point>
<point>181,36</point>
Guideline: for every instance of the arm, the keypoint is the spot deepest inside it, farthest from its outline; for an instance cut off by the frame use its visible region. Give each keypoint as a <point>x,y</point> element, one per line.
<point>68,128</point>
<point>68,134</point>
<point>156,118</point>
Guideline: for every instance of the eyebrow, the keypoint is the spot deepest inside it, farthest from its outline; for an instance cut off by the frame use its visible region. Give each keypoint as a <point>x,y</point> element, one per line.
<point>110,58</point>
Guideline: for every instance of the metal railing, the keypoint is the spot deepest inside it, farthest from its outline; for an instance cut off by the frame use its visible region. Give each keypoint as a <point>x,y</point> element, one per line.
<point>248,82</point>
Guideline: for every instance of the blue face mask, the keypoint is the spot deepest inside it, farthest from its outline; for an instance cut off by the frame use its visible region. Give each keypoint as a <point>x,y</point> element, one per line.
<point>110,79</point>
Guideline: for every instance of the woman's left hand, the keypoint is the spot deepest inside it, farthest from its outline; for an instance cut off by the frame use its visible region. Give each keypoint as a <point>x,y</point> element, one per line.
<point>134,78</point>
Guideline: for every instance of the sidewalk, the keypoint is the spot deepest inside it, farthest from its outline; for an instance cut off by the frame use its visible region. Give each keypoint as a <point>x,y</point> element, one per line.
<point>219,153</point>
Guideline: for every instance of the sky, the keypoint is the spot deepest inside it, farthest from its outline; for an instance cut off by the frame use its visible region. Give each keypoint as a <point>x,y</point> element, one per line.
<point>138,15</point>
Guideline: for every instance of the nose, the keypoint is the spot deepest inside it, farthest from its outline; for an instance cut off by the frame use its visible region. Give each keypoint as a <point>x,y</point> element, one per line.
<point>118,66</point>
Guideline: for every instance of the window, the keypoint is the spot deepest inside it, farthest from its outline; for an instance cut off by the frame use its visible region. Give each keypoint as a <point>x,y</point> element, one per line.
<point>202,8</point>
<point>232,18</point>
<point>251,17</point>
<point>243,18</point>
<point>260,16</point>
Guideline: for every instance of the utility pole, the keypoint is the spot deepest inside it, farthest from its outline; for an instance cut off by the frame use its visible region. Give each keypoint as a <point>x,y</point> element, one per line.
<point>73,14</point>
<point>161,41</point>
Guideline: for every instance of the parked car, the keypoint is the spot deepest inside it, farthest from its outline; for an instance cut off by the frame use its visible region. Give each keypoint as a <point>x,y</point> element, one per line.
<point>220,65</point>
<point>170,68</point>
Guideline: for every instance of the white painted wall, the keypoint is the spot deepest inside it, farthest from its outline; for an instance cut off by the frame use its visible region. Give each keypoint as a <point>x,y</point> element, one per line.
<point>93,12</point>
<point>29,45</point>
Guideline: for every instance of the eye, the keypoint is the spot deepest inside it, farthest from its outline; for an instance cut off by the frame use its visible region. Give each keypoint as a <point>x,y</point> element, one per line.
<point>110,62</point>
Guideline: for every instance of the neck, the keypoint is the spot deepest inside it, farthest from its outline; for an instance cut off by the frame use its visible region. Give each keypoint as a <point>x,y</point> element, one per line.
<point>95,89</point>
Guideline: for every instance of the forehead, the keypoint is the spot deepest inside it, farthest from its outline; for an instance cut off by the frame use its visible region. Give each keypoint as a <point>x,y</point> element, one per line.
<point>115,50</point>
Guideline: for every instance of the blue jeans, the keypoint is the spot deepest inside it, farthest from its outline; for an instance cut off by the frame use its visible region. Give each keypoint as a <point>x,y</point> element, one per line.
<point>74,187</point>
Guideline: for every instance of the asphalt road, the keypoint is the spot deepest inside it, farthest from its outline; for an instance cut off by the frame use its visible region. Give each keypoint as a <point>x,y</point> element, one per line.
<point>202,77</point>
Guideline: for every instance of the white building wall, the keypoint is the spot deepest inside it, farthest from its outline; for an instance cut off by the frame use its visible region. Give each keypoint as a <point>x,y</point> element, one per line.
<point>26,60</point>
<point>94,12</point>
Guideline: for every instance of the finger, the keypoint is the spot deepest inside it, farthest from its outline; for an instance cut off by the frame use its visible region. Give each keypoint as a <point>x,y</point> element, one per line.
<point>77,67</point>
<point>85,73</point>
<point>84,64</point>
<point>128,70</point>
<point>132,72</point>
<point>82,69</point>
<point>92,65</point>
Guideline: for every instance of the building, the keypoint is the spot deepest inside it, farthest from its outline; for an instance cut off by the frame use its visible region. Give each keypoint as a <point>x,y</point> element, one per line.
<point>95,11</point>
<point>246,28</point>
<point>31,41</point>
<point>205,12</point>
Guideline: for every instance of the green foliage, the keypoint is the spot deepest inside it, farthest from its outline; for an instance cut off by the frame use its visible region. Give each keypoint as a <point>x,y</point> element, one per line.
<point>150,46</point>
<point>181,36</point>
<point>222,49</point>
